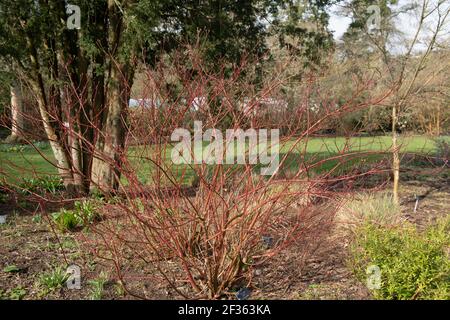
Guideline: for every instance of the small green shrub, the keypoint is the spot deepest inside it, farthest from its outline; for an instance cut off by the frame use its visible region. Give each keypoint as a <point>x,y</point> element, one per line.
<point>96,194</point>
<point>17,293</point>
<point>413,265</point>
<point>37,219</point>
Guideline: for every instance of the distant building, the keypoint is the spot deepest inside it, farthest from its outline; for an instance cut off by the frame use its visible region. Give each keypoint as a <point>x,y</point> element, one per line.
<point>144,103</point>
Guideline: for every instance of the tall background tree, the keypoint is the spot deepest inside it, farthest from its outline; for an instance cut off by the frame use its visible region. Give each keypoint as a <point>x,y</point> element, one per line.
<point>397,57</point>
<point>81,78</point>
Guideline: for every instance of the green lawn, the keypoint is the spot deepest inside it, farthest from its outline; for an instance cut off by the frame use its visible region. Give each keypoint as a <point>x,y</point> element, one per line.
<point>26,161</point>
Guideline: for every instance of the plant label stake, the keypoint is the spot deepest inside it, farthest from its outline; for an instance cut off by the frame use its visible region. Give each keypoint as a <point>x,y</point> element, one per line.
<point>417,203</point>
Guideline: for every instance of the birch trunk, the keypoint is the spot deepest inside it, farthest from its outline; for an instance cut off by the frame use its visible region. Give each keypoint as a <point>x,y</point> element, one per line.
<point>395,157</point>
<point>17,121</point>
<point>61,157</point>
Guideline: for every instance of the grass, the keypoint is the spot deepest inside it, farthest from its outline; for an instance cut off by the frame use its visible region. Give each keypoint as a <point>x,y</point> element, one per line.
<point>27,162</point>
<point>377,208</point>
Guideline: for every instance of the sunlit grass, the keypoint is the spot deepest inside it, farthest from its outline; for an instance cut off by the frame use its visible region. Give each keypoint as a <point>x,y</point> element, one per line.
<point>28,162</point>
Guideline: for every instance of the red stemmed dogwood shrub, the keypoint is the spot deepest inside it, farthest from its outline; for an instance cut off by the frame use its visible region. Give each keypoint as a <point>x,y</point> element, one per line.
<point>203,213</point>
<point>205,225</point>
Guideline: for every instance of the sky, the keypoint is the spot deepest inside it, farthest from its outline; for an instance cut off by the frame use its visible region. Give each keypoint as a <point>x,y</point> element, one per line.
<point>407,23</point>
<point>338,24</point>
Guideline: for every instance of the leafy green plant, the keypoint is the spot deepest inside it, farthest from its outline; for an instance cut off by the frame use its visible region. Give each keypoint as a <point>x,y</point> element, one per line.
<point>37,219</point>
<point>67,220</point>
<point>17,293</point>
<point>83,214</point>
<point>413,265</point>
<point>53,279</point>
<point>87,211</point>
<point>11,269</point>
<point>96,194</point>
<point>51,184</point>
<point>98,286</point>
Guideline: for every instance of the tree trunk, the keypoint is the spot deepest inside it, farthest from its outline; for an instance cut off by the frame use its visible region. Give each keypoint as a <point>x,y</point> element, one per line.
<point>56,142</point>
<point>438,122</point>
<point>111,139</point>
<point>17,121</point>
<point>395,157</point>
<point>110,136</point>
<point>76,157</point>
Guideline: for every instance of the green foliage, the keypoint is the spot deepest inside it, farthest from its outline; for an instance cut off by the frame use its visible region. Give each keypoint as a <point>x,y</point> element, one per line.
<point>87,211</point>
<point>18,293</point>
<point>442,149</point>
<point>96,194</point>
<point>53,279</point>
<point>229,28</point>
<point>8,148</point>
<point>293,23</point>
<point>358,41</point>
<point>50,184</point>
<point>37,219</point>
<point>82,215</point>
<point>413,265</point>
<point>4,197</point>
<point>11,269</point>
<point>98,286</point>
<point>67,220</point>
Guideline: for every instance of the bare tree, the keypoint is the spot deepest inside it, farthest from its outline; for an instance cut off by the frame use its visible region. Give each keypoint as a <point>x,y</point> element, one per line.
<point>17,119</point>
<point>401,59</point>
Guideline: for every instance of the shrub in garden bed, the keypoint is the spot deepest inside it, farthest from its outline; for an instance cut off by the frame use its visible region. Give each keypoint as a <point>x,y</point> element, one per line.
<point>207,244</point>
<point>413,264</point>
